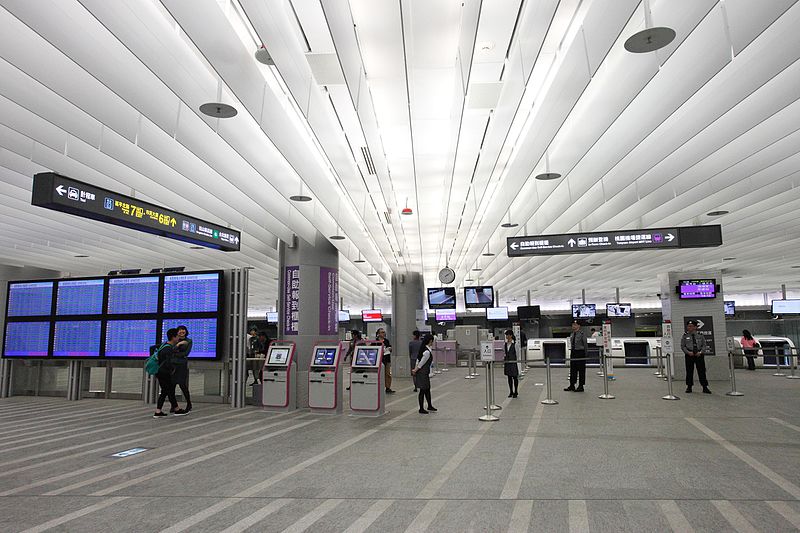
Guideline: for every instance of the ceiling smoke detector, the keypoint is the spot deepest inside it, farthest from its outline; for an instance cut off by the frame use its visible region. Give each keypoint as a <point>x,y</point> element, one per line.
<point>263,56</point>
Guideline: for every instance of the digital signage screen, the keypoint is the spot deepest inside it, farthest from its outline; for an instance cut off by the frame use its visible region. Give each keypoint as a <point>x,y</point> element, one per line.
<point>80,297</point>
<point>786,307</point>
<point>445,315</point>
<point>272,318</point>
<point>371,315</point>
<point>529,312</point>
<point>324,356</point>
<point>76,338</point>
<point>191,293</point>
<point>584,310</point>
<point>366,356</point>
<point>130,338</point>
<point>278,356</point>
<point>344,316</point>
<point>442,297</point>
<point>497,313</point>
<point>27,339</point>
<point>135,295</point>
<point>202,331</point>
<point>618,310</point>
<point>33,298</point>
<point>691,289</point>
<point>478,297</point>
<point>729,307</point>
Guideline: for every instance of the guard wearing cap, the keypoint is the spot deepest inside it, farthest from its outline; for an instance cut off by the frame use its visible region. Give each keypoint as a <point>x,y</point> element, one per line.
<point>693,344</point>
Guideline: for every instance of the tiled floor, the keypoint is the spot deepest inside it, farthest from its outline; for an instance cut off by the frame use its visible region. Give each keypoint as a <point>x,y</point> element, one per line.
<point>635,463</point>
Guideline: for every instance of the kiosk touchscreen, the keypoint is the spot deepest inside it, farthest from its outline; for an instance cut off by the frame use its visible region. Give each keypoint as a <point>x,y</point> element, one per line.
<point>366,381</point>
<point>280,378</point>
<point>325,380</point>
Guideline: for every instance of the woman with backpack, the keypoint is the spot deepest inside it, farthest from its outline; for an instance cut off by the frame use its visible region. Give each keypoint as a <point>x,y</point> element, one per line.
<point>164,375</point>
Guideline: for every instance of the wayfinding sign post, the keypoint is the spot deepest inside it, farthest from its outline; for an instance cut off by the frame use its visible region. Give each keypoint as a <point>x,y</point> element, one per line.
<point>615,241</point>
<point>67,195</point>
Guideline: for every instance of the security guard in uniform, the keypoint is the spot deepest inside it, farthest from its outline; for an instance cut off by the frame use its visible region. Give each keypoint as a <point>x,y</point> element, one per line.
<point>579,348</point>
<point>693,344</point>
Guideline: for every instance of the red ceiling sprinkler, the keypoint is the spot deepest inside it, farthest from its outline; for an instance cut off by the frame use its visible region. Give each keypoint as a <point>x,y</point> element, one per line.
<point>406,210</point>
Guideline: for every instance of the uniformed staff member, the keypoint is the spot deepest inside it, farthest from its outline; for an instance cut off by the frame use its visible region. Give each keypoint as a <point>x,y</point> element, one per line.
<point>413,351</point>
<point>579,347</point>
<point>693,344</point>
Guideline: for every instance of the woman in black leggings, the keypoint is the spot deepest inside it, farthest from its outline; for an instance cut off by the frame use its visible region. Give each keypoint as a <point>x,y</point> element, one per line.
<point>180,361</point>
<point>422,373</point>
<point>164,375</point>
<point>510,368</point>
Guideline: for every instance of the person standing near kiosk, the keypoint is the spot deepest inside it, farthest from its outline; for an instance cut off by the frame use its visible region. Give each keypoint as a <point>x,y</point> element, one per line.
<point>579,347</point>
<point>422,374</point>
<point>380,336</point>
<point>693,345</point>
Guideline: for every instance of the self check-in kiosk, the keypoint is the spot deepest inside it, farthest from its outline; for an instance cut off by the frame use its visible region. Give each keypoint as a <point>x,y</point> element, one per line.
<point>366,381</point>
<point>325,380</point>
<point>280,378</point>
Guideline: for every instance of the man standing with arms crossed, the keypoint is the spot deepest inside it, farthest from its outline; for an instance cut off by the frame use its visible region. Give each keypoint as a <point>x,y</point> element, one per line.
<point>693,344</point>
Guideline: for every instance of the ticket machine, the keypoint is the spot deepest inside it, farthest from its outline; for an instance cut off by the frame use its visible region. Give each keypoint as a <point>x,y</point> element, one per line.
<point>325,380</point>
<point>366,381</point>
<point>280,378</point>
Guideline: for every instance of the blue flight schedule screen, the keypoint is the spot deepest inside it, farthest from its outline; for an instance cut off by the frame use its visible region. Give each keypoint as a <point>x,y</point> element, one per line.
<point>26,339</point>
<point>130,338</point>
<point>80,297</point>
<point>191,293</point>
<point>202,331</point>
<point>77,338</point>
<point>324,356</point>
<point>30,299</point>
<point>133,295</point>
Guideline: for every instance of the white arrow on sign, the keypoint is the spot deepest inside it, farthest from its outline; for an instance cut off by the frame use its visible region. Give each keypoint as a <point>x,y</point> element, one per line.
<point>61,190</point>
<point>700,324</point>
<point>514,245</point>
<point>670,237</point>
<point>571,242</point>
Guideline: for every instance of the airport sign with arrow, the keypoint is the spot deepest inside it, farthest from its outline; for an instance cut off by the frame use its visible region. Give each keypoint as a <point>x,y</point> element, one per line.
<point>68,195</point>
<point>615,241</point>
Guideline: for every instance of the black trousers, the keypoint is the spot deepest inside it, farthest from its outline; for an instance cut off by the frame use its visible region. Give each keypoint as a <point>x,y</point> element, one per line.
<point>426,395</point>
<point>577,369</point>
<point>167,390</point>
<point>513,384</point>
<point>413,361</point>
<point>751,361</point>
<point>181,379</point>
<point>700,363</point>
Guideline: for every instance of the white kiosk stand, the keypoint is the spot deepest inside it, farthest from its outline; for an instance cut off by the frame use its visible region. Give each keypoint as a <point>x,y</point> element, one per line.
<point>280,378</point>
<point>366,381</point>
<point>325,380</point>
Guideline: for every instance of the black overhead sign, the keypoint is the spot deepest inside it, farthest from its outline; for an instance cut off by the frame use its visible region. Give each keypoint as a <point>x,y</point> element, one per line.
<point>57,192</point>
<point>615,241</point>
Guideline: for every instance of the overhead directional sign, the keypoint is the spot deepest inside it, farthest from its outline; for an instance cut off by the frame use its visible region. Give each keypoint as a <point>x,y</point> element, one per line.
<point>615,241</point>
<point>60,193</point>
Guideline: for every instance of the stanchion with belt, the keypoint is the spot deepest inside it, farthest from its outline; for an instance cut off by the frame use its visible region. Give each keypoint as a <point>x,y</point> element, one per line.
<point>793,364</point>
<point>659,373</point>
<point>733,391</point>
<point>670,395</point>
<point>778,364</point>
<point>549,400</point>
<point>471,371</point>
<point>605,395</point>
<point>490,372</point>
<point>488,417</point>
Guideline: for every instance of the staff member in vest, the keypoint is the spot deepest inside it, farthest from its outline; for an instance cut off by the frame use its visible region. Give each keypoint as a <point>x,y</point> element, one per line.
<point>693,344</point>
<point>510,367</point>
<point>413,351</point>
<point>380,336</point>
<point>579,347</point>
<point>180,361</point>
<point>422,373</point>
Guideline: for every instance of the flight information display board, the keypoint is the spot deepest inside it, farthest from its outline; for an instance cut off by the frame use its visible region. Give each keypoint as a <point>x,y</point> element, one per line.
<point>130,338</point>
<point>33,298</point>
<point>191,293</point>
<point>27,339</point>
<point>77,338</point>
<point>80,297</point>
<point>202,331</point>
<point>135,295</point>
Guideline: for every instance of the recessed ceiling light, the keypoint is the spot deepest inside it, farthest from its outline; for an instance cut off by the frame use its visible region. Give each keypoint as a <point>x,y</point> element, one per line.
<point>300,198</point>
<point>737,277</point>
<point>487,254</point>
<point>196,247</point>
<point>595,265</point>
<point>717,213</point>
<point>508,225</point>
<point>372,274</point>
<point>649,40</point>
<point>795,266</point>
<point>81,255</point>
<point>337,237</point>
<point>638,280</point>
<point>728,258</point>
<point>218,110</point>
<point>547,176</point>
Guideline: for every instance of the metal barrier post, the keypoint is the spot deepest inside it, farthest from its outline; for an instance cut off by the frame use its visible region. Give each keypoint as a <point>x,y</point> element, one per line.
<point>659,373</point>
<point>549,400</point>
<point>778,364</point>
<point>605,395</point>
<point>488,417</point>
<point>793,364</point>
<point>669,396</point>
<point>733,391</point>
<point>470,365</point>
<point>490,371</point>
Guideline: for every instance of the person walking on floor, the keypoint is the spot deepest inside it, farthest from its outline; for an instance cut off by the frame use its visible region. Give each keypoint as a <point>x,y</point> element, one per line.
<point>413,351</point>
<point>750,348</point>
<point>422,374</point>
<point>380,337</point>
<point>579,347</point>
<point>510,367</point>
<point>693,345</point>
<point>180,363</point>
<point>164,375</point>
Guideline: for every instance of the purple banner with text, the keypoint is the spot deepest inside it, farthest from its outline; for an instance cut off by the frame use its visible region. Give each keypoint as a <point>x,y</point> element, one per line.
<point>291,300</point>
<point>328,301</point>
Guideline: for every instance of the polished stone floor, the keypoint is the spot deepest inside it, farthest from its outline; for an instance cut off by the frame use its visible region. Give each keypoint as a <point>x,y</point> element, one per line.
<point>634,463</point>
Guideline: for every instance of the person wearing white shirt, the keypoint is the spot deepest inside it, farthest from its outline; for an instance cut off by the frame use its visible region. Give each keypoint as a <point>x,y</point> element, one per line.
<point>422,373</point>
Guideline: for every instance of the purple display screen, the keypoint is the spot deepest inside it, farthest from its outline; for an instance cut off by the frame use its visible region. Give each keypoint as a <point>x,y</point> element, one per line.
<point>697,288</point>
<point>445,315</point>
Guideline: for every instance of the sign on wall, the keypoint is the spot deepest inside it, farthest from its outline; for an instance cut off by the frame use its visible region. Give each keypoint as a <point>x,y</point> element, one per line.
<point>328,301</point>
<point>291,300</point>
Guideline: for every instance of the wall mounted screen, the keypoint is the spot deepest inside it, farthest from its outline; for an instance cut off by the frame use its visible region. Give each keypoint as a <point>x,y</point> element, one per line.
<point>730,307</point>
<point>497,313</point>
<point>27,339</point>
<point>202,331</point>
<point>366,356</point>
<point>786,307</point>
<point>442,297</point>
<point>529,312</point>
<point>33,298</point>
<point>80,297</point>
<point>618,310</point>
<point>344,316</point>
<point>130,338</point>
<point>324,356</point>
<point>583,310</point>
<point>77,338</point>
<point>690,289</point>
<point>478,297</point>
<point>272,318</point>
<point>135,295</point>
<point>191,293</point>
<point>371,315</point>
<point>445,315</point>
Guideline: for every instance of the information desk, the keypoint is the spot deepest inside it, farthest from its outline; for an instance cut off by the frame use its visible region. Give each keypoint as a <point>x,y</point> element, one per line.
<point>366,381</point>
<point>325,380</point>
<point>280,378</point>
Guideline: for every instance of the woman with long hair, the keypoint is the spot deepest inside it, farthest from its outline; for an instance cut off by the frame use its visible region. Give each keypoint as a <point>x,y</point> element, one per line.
<point>750,348</point>
<point>510,367</point>
<point>422,374</point>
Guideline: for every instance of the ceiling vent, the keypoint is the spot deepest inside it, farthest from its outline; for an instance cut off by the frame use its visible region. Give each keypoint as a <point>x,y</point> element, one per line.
<point>388,216</point>
<point>368,160</point>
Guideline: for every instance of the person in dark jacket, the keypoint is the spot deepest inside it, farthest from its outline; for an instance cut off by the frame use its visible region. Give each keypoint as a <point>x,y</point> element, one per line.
<point>510,366</point>
<point>351,349</point>
<point>380,337</point>
<point>413,351</point>
<point>180,362</point>
<point>164,375</point>
<point>579,347</point>
<point>422,373</point>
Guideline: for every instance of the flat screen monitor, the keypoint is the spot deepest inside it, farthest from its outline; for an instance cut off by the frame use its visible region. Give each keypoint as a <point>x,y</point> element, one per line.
<point>692,289</point>
<point>137,295</point>
<point>584,310</point>
<point>191,293</point>
<point>324,356</point>
<point>202,331</point>
<point>366,356</point>
<point>445,315</point>
<point>30,298</point>
<point>27,339</point>
<point>344,316</point>
<point>371,315</point>
<point>479,296</point>
<point>272,318</point>
<point>618,310</point>
<point>76,338</point>
<point>529,312</point>
<point>786,307</point>
<point>130,338</point>
<point>497,313</point>
<point>730,307</point>
<point>278,356</point>
<point>441,297</point>
<point>80,297</point>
